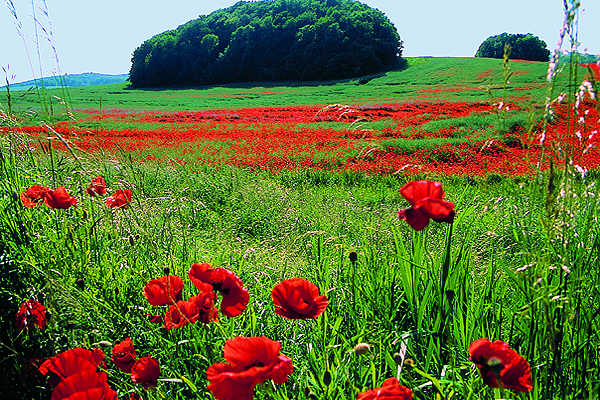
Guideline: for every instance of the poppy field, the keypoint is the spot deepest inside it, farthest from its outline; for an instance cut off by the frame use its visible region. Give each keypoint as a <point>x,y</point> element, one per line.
<point>306,242</point>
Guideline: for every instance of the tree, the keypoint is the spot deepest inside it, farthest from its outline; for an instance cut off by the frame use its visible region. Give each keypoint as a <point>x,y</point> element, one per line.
<point>523,47</point>
<point>270,40</point>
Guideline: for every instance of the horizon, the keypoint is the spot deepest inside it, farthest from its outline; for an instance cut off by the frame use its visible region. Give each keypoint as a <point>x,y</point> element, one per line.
<point>70,44</point>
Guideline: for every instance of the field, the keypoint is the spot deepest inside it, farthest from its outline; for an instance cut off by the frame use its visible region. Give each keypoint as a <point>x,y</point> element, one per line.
<point>281,181</point>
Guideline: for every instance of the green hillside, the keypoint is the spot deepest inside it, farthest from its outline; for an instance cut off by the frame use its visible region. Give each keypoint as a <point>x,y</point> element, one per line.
<point>85,79</point>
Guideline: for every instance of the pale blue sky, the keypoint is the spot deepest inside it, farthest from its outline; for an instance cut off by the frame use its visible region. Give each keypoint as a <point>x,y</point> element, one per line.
<point>99,36</point>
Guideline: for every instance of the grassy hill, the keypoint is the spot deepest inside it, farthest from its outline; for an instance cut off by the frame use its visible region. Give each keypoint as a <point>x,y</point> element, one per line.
<point>424,79</point>
<point>85,79</point>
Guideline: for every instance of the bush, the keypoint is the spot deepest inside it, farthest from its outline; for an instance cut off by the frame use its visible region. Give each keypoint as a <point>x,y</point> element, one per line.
<point>270,41</point>
<point>523,47</point>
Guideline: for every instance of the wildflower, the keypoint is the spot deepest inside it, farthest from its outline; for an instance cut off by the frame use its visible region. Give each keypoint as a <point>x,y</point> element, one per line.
<point>298,298</point>
<point>73,361</point>
<point>250,361</point>
<point>234,296</point>
<point>199,307</point>
<point>123,355</point>
<point>499,364</point>
<point>33,195</point>
<point>59,198</point>
<point>390,390</point>
<point>31,313</point>
<point>119,199</point>
<point>145,371</point>
<point>163,291</point>
<point>97,187</point>
<point>426,199</point>
<point>155,319</point>
<point>86,384</point>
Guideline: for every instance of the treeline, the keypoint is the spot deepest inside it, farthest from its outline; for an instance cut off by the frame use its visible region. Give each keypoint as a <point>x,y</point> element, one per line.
<point>268,41</point>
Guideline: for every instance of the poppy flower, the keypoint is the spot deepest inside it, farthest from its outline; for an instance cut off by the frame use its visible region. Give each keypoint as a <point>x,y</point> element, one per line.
<point>97,187</point>
<point>123,355</point>
<point>33,195</point>
<point>31,313</point>
<point>298,298</point>
<point>59,198</point>
<point>145,371</point>
<point>164,290</point>
<point>234,296</point>
<point>390,390</point>
<point>119,199</point>
<point>250,361</point>
<point>87,384</point>
<point>73,361</point>
<point>155,319</point>
<point>426,200</point>
<point>498,363</point>
<point>197,308</point>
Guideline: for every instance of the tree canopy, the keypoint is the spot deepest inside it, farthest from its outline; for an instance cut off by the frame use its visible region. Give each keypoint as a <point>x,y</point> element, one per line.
<point>523,47</point>
<point>270,40</point>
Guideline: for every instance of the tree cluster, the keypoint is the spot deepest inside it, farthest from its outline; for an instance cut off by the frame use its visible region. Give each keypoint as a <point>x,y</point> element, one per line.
<point>270,40</point>
<point>523,47</point>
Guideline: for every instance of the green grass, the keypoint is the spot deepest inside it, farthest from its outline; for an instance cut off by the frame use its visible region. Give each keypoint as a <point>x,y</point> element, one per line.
<point>394,86</point>
<point>499,272</point>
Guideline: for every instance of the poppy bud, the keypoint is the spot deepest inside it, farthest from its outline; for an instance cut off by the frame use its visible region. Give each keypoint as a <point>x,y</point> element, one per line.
<point>166,270</point>
<point>326,378</point>
<point>116,291</point>
<point>398,358</point>
<point>362,348</point>
<point>353,256</point>
<point>80,283</point>
<point>131,241</point>
<point>409,362</point>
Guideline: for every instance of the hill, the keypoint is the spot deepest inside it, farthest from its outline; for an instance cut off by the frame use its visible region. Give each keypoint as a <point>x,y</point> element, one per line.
<point>85,79</point>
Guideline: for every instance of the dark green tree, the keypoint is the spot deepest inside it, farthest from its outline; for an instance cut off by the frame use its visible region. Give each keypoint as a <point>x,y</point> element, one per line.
<point>270,40</point>
<point>523,47</point>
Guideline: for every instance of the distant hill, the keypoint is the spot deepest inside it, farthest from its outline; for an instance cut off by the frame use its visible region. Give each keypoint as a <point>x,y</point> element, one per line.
<point>584,58</point>
<point>85,79</point>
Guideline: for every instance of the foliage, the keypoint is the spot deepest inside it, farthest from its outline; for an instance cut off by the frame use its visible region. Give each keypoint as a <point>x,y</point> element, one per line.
<point>522,47</point>
<point>270,40</point>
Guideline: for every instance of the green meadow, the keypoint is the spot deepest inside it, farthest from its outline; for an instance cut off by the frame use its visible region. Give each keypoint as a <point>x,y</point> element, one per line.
<point>520,263</point>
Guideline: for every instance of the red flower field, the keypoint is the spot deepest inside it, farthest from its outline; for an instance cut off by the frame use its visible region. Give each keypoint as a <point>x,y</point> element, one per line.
<point>332,137</point>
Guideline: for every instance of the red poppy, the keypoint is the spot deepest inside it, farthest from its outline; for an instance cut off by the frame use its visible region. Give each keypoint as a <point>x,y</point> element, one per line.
<point>145,371</point>
<point>31,313</point>
<point>123,355</point>
<point>84,385</point>
<point>298,298</point>
<point>197,308</point>
<point>97,187</point>
<point>235,296</point>
<point>156,290</point>
<point>33,195</point>
<point>426,199</point>
<point>498,362</point>
<point>201,276</point>
<point>73,361</point>
<point>119,199</point>
<point>250,361</point>
<point>155,319</point>
<point>59,198</point>
<point>390,390</point>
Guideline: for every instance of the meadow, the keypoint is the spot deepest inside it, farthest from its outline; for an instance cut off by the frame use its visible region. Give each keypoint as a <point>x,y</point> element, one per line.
<point>279,181</point>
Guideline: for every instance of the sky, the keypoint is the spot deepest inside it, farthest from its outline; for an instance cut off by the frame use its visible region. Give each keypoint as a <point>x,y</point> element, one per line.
<point>100,36</point>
